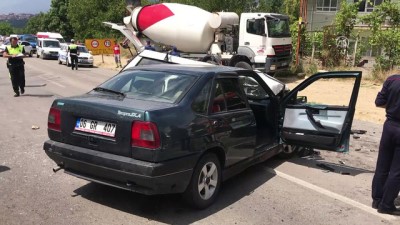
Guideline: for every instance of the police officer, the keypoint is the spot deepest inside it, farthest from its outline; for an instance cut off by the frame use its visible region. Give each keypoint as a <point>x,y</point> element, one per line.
<point>386,181</point>
<point>15,64</point>
<point>73,54</point>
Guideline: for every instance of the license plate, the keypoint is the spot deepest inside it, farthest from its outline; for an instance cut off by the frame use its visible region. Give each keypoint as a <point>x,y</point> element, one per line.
<point>95,127</point>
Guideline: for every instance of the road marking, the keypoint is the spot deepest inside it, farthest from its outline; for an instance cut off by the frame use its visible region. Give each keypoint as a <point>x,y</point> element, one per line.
<point>323,191</point>
<point>56,83</point>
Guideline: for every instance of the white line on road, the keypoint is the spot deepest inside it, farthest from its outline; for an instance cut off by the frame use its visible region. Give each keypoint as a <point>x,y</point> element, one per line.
<point>56,83</point>
<point>331,194</point>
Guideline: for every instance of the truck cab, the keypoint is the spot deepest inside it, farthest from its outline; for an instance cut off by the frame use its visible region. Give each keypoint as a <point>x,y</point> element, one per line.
<point>265,39</point>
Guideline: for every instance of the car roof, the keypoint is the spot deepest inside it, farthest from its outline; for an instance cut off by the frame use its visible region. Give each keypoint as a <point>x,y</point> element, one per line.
<point>184,68</point>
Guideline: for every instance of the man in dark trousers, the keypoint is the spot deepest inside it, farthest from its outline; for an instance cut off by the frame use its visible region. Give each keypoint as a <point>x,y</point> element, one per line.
<point>73,54</point>
<point>386,181</point>
<point>15,64</point>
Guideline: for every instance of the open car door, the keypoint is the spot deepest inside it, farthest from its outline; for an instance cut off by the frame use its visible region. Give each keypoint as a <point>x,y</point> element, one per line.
<point>308,122</point>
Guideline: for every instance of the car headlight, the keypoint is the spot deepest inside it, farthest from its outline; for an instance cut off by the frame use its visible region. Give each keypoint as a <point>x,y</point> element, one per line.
<point>90,57</point>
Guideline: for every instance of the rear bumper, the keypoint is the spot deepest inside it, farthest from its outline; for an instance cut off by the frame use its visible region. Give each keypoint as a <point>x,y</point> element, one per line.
<point>123,172</point>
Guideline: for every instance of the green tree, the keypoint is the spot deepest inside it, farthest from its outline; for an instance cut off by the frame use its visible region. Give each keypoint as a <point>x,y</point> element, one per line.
<point>346,18</point>
<point>37,23</point>
<point>384,23</point>
<point>5,28</point>
<point>86,17</point>
<point>58,19</point>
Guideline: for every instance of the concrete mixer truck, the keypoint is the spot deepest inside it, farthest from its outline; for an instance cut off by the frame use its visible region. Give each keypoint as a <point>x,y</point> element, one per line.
<point>259,41</point>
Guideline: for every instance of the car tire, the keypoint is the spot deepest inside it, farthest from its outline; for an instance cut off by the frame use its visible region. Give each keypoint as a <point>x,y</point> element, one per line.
<point>205,183</point>
<point>244,65</point>
<point>288,151</point>
<point>67,63</point>
<point>37,55</point>
<point>30,54</point>
<point>59,61</point>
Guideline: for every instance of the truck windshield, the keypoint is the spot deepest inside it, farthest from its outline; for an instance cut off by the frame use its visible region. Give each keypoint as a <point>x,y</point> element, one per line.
<point>51,44</point>
<point>278,27</point>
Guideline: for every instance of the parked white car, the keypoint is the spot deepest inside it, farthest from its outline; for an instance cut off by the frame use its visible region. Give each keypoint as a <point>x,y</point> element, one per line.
<point>27,47</point>
<point>85,57</point>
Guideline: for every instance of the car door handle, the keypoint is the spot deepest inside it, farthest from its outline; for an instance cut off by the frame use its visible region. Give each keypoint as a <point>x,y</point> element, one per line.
<point>247,43</point>
<point>310,116</point>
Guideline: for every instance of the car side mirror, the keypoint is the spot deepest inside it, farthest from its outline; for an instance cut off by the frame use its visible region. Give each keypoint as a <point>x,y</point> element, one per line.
<point>301,99</point>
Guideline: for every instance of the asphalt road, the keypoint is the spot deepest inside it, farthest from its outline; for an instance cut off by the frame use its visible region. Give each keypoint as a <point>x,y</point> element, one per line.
<point>296,191</point>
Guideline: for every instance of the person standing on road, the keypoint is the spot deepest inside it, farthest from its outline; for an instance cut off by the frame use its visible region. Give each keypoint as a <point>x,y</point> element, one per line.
<point>386,181</point>
<point>15,64</point>
<point>73,54</point>
<point>117,54</point>
<point>148,46</point>
<point>175,51</point>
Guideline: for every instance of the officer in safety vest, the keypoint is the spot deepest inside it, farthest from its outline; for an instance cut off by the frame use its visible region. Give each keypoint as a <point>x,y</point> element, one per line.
<point>73,53</point>
<point>15,64</point>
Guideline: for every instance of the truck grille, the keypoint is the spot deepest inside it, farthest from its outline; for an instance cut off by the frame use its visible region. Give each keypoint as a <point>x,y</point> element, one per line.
<point>282,50</point>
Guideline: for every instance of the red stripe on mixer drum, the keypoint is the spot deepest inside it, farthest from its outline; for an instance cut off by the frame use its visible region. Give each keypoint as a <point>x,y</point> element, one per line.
<point>152,14</point>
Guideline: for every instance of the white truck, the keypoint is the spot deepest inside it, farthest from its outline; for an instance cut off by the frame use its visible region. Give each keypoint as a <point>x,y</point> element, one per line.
<point>259,41</point>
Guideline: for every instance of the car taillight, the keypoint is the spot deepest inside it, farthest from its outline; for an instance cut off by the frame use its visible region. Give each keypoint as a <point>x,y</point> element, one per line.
<point>54,119</point>
<point>145,135</point>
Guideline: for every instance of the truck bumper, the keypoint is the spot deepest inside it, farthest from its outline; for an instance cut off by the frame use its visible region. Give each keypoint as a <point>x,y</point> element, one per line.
<point>275,64</point>
<point>123,172</point>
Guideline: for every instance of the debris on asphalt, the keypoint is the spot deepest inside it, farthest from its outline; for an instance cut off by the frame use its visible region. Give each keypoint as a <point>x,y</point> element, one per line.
<point>356,137</point>
<point>326,167</point>
<point>342,162</point>
<point>358,131</point>
<point>357,149</point>
<point>34,127</point>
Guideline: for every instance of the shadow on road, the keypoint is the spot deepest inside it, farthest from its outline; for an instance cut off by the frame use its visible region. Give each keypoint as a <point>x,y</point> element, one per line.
<point>317,162</point>
<point>37,95</point>
<point>171,209</point>
<point>4,168</point>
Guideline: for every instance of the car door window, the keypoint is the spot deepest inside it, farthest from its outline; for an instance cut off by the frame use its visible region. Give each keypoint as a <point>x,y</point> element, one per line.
<point>228,96</point>
<point>200,104</point>
<point>252,88</point>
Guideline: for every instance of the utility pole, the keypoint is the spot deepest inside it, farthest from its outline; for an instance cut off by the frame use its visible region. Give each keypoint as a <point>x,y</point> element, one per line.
<point>302,21</point>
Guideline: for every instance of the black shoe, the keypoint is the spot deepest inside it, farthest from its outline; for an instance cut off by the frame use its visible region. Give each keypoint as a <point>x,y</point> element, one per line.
<point>375,204</point>
<point>22,90</point>
<point>394,212</point>
<point>16,95</point>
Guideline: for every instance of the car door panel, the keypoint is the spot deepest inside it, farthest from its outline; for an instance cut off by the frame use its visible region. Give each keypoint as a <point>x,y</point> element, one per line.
<point>316,125</point>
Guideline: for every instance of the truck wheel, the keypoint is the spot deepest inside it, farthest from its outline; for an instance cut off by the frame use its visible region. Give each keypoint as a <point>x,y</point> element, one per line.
<point>205,183</point>
<point>244,65</point>
<point>288,151</point>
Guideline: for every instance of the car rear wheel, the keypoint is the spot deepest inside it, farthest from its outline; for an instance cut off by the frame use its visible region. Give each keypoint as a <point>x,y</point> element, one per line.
<point>30,54</point>
<point>67,62</point>
<point>205,183</point>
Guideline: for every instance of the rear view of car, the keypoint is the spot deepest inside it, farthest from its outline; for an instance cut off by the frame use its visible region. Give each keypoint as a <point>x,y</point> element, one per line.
<point>124,133</point>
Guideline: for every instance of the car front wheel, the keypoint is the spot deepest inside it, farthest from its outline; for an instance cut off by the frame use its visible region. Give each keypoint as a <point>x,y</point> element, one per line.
<point>205,183</point>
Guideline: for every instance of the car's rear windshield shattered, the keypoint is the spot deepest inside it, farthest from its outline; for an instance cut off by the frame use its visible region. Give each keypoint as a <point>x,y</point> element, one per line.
<point>151,85</point>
